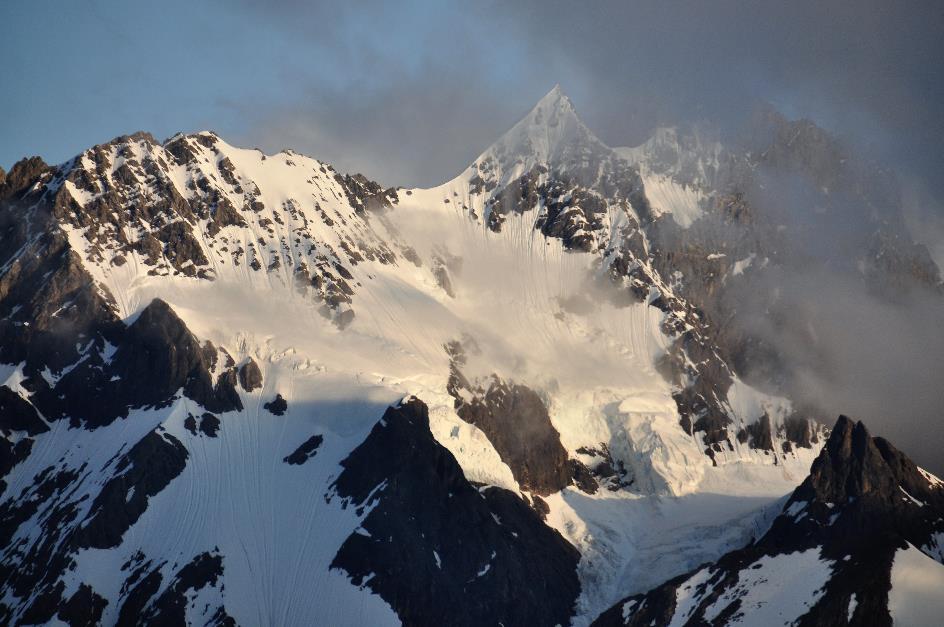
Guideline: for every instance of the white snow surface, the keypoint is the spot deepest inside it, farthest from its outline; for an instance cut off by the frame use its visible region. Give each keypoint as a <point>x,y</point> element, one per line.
<point>773,590</point>
<point>682,202</point>
<point>776,590</point>
<point>596,371</point>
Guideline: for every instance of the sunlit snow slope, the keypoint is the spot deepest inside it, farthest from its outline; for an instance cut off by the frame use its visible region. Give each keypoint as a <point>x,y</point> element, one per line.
<point>519,303</point>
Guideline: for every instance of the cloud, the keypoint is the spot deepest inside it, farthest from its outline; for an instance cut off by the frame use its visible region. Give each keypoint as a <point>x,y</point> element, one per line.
<point>399,133</point>
<point>422,93</point>
<point>850,338</point>
<point>864,356</point>
<point>423,88</point>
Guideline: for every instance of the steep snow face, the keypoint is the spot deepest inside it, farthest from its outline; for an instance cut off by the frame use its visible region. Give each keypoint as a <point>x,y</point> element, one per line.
<point>775,590</point>
<point>551,134</point>
<point>683,203</point>
<point>679,172</point>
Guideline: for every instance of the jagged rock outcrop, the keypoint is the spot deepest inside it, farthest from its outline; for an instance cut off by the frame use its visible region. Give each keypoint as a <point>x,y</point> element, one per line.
<point>155,357</point>
<point>140,474</point>
<point>439,550</point>
<point>250,377</point>
<point>305,451</point>
<point>516,422</point>
<point>841,529</point>
<point>277,406</point>
<point>71,521</point>
<point>143,604</point>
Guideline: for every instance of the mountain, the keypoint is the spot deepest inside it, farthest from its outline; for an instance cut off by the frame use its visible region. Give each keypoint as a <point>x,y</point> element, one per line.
<point>241,388</point>
<point>857,543</point>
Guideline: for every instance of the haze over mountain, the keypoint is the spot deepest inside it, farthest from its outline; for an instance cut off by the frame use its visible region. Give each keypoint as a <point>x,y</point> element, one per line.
<point>243,388</point>
<point>471,352</point>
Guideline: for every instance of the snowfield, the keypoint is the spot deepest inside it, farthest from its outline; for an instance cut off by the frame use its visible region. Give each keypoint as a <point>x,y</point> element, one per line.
<point>399,285</point>
<point>596,367</point>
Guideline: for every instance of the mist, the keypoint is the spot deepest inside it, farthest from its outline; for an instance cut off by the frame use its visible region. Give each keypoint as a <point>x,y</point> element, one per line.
<point>852,335</point>
<point>409,94</point>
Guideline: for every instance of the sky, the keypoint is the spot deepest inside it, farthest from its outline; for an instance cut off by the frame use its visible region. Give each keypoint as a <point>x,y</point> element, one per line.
<point>409,93</point>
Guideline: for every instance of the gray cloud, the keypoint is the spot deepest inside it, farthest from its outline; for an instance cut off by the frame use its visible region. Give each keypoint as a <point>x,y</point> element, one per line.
<point>867,357</point>
<point>852,339</point>
<point>418,110</point>
<point>402,134</point>
<point>870,70</point>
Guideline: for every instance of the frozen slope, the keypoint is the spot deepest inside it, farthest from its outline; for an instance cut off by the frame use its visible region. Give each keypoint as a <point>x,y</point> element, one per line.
<point>843,550</point>
<point>346,296</point>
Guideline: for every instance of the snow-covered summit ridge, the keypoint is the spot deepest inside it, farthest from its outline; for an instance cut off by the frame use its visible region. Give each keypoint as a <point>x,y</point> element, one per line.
<point>692,158</point>
<point>550,135</point>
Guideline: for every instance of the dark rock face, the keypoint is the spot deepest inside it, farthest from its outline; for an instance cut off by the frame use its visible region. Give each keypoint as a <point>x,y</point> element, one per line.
<point>156,356</point>
<point>250,377</point>
<point>83,609</point>
<point>799,431</point>
<point>18,414</point>
<point>30,571</point>
<point>364,194</point>
<point>607,472</point>
<point>142,606</point>
<point>181,248</point>
<point>170,607</point>
<point>21,177</point>
<point>207,424</point>
<point>31,568</point>
<point>48,301</point>
<point>305,451</point>
<point>758,434</point>
<point>437,549</point>
<point>160,350</point>
<point>862,501</point>
<point>11,454</point>
<point>143,472</point>
<point>854,465</point>
<point>516,422</point>
<point>583,477</point>
<point>277,406</point>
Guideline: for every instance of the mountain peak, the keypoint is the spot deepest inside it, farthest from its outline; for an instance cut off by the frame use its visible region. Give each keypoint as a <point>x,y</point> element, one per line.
<point>854,464</point>
<point>550,135</point>
<point>553,111</point>
<point>554,100</point>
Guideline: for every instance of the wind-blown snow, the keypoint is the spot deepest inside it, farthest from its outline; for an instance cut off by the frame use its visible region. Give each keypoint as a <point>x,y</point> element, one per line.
<point>683,203</point>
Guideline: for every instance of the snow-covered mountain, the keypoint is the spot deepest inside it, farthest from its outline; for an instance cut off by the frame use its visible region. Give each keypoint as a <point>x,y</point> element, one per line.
<point>859,542</point>
<point>241,388</point>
